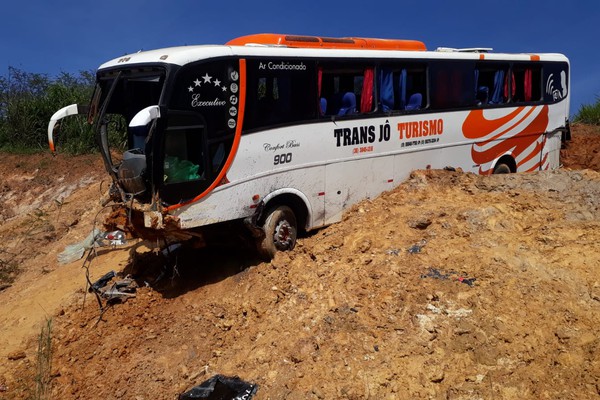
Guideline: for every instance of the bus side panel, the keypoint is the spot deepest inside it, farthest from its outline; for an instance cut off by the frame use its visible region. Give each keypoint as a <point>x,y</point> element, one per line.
<point>557,121</point>
<point>276,161</point>
<point>349,182</point>
<point>238,200</point>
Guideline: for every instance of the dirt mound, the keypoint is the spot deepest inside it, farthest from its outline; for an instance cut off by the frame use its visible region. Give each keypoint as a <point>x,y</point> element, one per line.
<point>583,151</point>
<point>451,286</point>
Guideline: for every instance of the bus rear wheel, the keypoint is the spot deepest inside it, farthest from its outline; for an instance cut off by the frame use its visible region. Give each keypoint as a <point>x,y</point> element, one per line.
<point>502,169</point>
<point>281,231</point>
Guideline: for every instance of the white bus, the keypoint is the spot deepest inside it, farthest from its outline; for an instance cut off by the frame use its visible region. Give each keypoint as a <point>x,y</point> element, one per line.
<point>279,134</point>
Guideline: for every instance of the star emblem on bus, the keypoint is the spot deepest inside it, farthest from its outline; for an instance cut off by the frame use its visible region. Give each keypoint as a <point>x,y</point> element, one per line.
<point>206,78</point>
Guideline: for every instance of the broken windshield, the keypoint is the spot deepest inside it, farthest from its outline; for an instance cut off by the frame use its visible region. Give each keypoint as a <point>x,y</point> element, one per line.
<point>118,97</point>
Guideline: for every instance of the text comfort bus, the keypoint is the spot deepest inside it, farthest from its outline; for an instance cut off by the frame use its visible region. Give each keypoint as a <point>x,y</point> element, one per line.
<point>275,134</point>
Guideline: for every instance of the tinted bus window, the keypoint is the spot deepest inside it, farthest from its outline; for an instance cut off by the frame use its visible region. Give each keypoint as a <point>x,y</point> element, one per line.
<point>280,91</point>
<point>491,83</point>
<point>555,81</point>
<point>527,83</point>
<point>345,89</point>
<point>209,89</point>
<point>451,84</point>
<point>402,87</point>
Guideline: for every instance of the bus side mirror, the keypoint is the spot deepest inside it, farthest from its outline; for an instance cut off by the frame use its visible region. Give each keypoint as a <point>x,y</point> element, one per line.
<point>145,116</point>
<point>54,123</point>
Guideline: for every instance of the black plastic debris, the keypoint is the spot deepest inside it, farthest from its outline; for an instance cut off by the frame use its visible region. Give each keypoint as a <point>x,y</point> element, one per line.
<point>416,248</point>
<point>171,249</point>
<point>117,291</point>
<point>103,281</point>
<point>437,274</point>
<point>120,291</point>
<point>467,281</point>
<point>220,387</point>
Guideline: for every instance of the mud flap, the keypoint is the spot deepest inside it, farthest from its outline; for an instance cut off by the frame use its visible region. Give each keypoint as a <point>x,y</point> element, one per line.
<point>251,222</point>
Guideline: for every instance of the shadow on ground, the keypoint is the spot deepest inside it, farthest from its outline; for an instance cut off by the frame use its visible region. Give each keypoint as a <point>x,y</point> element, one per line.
<point>185,269</point>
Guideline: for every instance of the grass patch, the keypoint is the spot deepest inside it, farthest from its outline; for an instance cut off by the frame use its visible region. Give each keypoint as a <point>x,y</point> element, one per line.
<point>9,269</point>
<point>589,113</point>
<point>44,362</point>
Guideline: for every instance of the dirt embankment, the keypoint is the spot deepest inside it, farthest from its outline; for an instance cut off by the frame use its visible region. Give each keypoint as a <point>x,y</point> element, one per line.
<point>451,286</point>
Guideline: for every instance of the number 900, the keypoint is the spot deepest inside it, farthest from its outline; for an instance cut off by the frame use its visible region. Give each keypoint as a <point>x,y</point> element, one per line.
<point>282,158</point>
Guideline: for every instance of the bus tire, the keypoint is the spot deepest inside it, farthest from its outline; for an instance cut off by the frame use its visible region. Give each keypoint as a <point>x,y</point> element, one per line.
<point>281,231</point>
<point>502,169</point>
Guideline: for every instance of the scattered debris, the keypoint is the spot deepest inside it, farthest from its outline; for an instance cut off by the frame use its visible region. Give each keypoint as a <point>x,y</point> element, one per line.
<point>103,281</point>
<point>118,291</point>
<point>114,294</point>
<point>394,252</point>
<point>416,248</point>
<point>75,251</point>
<point>220,387</point>
<point>114,238</point>
<point>437,274</point>
<point>96,238</point>
<point>170,249</point>
<point>468,281</point>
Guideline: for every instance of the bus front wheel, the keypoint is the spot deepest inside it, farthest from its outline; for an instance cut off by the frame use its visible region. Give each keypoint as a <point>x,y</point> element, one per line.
<point>280,232</point>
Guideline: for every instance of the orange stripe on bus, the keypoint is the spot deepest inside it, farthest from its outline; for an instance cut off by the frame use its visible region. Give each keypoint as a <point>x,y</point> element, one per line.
<point>534,57</point>
<point>234,147</point>
<point>277,39</point>
<point>482,56</point>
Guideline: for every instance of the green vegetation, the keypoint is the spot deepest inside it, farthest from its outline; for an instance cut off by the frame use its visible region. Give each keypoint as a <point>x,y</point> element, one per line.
<point>44,362</point>
<point>589,114</point>
<point>9,269</point>
<point>28,100</point>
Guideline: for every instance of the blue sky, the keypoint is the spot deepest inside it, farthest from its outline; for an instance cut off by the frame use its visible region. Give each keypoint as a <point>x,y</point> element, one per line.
<point>67,35</point>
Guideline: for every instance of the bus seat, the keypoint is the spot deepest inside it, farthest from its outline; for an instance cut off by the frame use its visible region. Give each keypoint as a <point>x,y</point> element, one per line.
<point>482,95</point>
<point>348,104</point>
<point>323,105</point>
<point>414,102</point>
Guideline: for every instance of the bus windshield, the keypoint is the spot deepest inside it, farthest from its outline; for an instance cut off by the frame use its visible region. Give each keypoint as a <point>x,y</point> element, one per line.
<point>181,151</point>
<point>119,95</point>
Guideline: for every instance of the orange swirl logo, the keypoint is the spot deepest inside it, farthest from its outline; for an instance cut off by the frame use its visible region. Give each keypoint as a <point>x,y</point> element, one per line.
<point>519,134</point>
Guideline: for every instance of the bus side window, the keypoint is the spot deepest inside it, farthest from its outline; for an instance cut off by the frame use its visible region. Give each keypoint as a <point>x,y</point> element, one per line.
<point>491,84</point>
<point>402,88</point>
<point>452,85</point>
<point>280,92</point>
<point>346,91</point>
<point>526,86</point>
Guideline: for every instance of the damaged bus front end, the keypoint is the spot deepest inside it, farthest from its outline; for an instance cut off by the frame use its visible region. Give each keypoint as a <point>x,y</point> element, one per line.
<point>161,150</point>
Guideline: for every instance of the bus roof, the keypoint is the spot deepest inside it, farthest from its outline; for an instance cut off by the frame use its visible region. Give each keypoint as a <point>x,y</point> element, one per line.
<point>274,45</point>
<point>318,42</point>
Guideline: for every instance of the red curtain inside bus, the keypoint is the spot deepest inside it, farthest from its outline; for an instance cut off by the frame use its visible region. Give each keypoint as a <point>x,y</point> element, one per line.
<point>366,98</point>
<point>528,84</point>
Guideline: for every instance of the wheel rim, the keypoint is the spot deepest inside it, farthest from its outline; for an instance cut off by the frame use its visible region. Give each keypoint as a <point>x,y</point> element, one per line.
<point>283,236</point>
